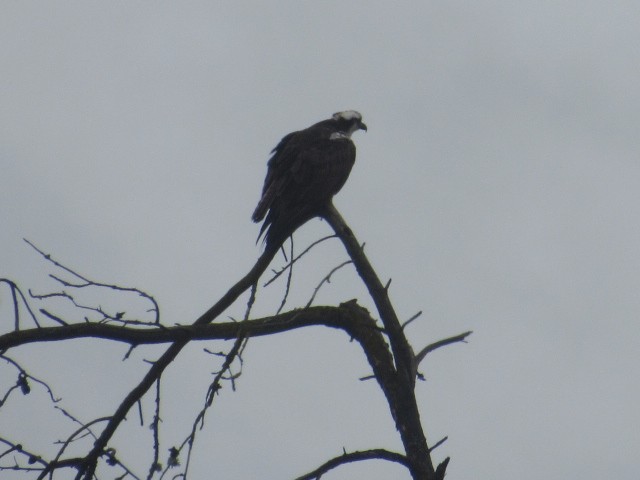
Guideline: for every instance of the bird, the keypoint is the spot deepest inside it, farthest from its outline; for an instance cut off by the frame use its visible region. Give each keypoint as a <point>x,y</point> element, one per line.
<point>306,169</point>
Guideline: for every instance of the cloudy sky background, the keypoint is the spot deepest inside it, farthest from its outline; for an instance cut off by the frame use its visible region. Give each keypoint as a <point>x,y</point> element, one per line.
<point>498,186</point>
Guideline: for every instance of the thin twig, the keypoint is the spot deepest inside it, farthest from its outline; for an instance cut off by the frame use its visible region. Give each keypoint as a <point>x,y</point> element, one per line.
<point>374,454</point>
<point>27,377</point>
<point>288,285</point>
<point>251,300</point>
<point>14,447</point>
<point>90,462</point>
<point>276,274</point>
<point>53,317</point>
<point>15,292</point>
<point>89,283</point>
<point>404,325</point>
<point>213,389</point>
<point>70,439</point>
<point>326,279</point>
<point>155,428</point>
<point>438,443</point>
<point>440,343</point>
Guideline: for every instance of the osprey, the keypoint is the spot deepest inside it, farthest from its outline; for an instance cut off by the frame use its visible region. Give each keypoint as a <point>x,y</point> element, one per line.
<point>306,169</point>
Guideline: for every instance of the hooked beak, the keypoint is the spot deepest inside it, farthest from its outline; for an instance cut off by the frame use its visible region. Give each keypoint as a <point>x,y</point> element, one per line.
<point>362,126</point>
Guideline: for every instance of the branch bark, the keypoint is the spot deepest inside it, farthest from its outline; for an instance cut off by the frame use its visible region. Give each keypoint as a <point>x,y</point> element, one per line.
<point>440,343</point>
<point>394,364</point>
<point>88,467</point>
<point>397,383</point>
<point>375,454</point>
<point>335,317</point>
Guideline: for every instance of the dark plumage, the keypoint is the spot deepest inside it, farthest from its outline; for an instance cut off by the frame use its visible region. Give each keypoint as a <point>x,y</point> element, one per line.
<point>306,169</point>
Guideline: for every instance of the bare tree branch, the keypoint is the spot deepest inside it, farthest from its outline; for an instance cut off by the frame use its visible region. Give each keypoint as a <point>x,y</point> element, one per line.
<point>387,350</point>
<point>403,356</point>
<point>83,428</point>
<point>212,391</point>
<point>440,343</point>
<point>289,278</point>
<point>155,428</point>
<point>374,454</point>
<point>23,381</point>
<point>89,465</point>
<point>86,282</point>
<point>415,316</point>
<point>15,293</point>
<point>326,279</point>
<point>397,383</point>
<point>329,316</point>
<point>289,265</point>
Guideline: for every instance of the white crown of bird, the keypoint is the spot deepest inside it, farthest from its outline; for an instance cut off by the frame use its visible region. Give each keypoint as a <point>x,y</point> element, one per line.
<point>347,115</point>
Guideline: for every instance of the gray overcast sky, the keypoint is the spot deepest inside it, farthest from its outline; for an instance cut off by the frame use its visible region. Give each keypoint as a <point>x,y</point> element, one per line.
<point>498,185</point>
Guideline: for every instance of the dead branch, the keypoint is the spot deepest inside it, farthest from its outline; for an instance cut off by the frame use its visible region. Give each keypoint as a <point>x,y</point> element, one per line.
<point>88,467</point>
<point>397,383</point>
<point>289,265</point>
<point>15,293</point>
<point>289,278</point>
<point>374,454</point>
<point>326,279</point>
<point>212,391</point>
<point>334,317</point>
<point>387,350</point>
<point>415,316</point>
<point>440,343</point>
<point>85,282</point>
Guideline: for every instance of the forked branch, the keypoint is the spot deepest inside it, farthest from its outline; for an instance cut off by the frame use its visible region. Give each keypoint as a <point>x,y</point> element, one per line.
<point>397,383</point>
<point>394,364</point>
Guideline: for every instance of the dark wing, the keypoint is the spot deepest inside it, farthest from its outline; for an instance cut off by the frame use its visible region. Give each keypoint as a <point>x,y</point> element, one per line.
<point>303,181</point>
<point>276,179</point>
<point>321,170</point>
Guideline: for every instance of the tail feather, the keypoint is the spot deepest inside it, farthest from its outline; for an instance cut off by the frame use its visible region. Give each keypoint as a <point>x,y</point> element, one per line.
<point>278,226</point>
<point>260,211</point>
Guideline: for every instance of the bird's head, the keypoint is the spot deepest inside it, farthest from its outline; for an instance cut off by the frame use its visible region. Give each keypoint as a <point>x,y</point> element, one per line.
<point>349,121</point>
